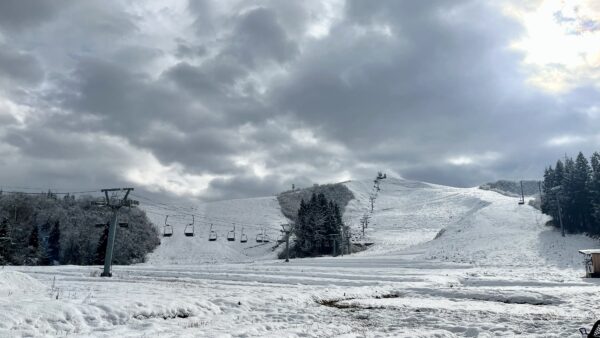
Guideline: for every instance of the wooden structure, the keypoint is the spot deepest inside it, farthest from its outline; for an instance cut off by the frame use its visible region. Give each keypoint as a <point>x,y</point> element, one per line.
<point>592,262</point>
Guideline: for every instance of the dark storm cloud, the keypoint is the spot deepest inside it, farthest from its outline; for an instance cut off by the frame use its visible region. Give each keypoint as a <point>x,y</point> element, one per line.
<point>22,14</point>
<point>446,83</point>
<point>244,186</point>
<point>258,37</point>
<point>187,51</point>
<point>245,95</point>
<point>21,67</point>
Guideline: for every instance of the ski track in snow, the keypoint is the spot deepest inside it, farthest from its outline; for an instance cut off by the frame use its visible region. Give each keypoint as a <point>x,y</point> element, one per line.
<point>495,271</point>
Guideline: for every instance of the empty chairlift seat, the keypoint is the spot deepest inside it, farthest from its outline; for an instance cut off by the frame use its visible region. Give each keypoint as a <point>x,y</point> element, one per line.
<point>167,229</point>
<point>231,235</point>
<point>281,238</point>
<point>189,229</point>
<point>243,237</point>
<point>212,235</point>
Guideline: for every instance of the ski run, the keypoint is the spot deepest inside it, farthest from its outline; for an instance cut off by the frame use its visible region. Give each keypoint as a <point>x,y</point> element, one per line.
<point>493,269</point>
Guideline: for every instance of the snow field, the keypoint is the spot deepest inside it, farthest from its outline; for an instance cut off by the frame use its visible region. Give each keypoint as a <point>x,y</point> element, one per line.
<point>496,270</point>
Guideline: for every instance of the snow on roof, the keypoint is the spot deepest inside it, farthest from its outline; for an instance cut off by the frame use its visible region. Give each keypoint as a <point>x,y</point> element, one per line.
<point>590,251</point>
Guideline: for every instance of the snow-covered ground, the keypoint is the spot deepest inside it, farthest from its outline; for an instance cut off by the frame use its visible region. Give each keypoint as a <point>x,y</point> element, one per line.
<point>496,270</point>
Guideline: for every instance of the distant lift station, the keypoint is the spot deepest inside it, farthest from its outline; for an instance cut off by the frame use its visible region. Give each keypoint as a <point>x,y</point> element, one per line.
<point>592,262</point>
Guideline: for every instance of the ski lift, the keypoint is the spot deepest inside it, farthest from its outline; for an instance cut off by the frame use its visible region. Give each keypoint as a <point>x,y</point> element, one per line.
<point>167,229</point>
<point>522,199</point>
<point>101,225</point>
<point>212,235</point>
<point>266,238</point>
<point>259,238</point>
<point>281,238</point>
<point>243,237</point>
<point>189,229</point>
<point>231,234</point>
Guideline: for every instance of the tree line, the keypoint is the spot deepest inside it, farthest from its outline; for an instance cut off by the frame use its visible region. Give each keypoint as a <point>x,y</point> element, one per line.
<point>44,230</point>
<point>575,186</point>
<point>318,227</point>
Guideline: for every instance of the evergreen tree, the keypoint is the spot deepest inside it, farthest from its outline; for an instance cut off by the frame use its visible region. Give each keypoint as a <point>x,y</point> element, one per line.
<point>43,258</point>
<point>594,189</point>
<point>581,195</point>
<point>33,244</point>
<point>548,205</point>
<point>318,226</point>
<point>6,245</point>
<point>101,248</point>
<point>34,238</point>
<point>72,254</point>
<point>54,244</point>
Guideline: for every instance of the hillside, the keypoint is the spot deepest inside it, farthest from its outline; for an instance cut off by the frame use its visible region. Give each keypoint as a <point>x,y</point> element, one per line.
<point>474,226</point>
<point>253,215</point>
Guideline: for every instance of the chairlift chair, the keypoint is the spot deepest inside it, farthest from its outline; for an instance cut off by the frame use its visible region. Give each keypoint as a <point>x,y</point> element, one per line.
<point>212,235</point>
<point>189,229</point>
<point>231,234</point>
<point>281,238</point>
<point>266,238</point>
<point>594,333</point>
<point>167,229</point>
<point>243,237</point>
<point>259,238</point>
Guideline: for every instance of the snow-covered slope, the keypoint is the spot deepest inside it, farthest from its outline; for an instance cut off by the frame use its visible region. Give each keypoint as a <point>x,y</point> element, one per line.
<point>406,212</point>
<point>496,270</point>
<point>253,215</point>
<point>478,227</point>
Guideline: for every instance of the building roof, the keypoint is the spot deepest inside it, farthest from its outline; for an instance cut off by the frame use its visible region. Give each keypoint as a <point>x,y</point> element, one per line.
<point>590,251</point>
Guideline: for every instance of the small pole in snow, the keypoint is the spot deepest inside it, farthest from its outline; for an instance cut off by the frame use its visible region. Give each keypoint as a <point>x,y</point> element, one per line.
<point>558,190</point>
<point>348,237</point>
<point>334,244</point>
<point>522,198</point>
<point>287,228</point>
<point>342,242</point>
<point>562,227</point>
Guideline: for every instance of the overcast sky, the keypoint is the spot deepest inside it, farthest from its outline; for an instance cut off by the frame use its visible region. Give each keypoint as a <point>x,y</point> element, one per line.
<point>227,99</point>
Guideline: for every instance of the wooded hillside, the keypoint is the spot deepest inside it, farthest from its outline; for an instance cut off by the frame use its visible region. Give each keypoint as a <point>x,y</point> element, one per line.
<point>42,229</point>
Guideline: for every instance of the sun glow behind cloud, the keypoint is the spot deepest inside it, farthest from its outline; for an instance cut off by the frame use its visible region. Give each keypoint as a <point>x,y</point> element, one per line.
<point>561,43</point>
